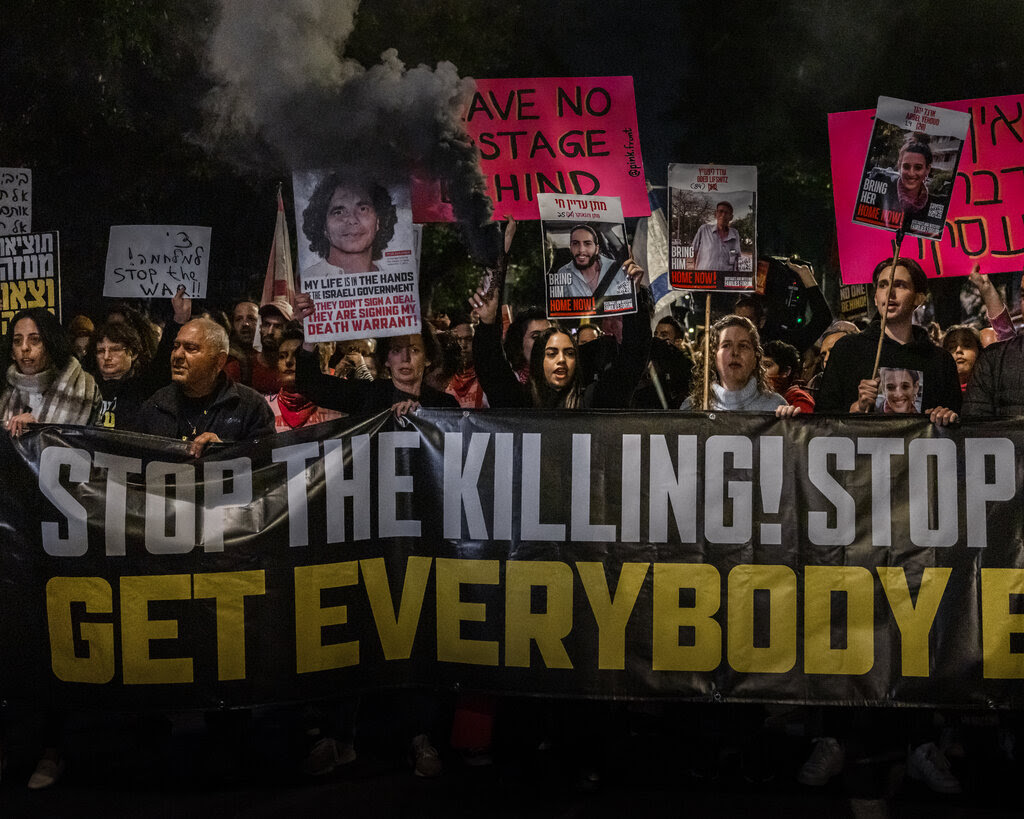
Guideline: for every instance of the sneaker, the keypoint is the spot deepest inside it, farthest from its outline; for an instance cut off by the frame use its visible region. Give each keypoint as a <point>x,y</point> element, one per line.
<point>327,755</point>
<point>426,761</point>
<point>826,760</point>
<point>47,772</point>
<point>477,757</point>
<point>929,765</point>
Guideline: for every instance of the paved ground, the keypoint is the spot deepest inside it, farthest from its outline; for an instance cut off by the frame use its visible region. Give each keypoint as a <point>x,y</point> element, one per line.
<point>121,768</point>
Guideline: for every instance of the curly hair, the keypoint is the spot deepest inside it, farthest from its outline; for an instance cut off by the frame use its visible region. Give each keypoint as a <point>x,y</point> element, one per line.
<point>314,217</point>
<point>118,332</point>
<point>697,382</point>
<point>142,325</point>
<point>544,396</point>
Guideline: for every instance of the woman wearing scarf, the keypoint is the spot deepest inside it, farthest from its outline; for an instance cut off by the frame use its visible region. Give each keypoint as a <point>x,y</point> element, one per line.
<point>45,383</point>
<point>291,408</point>
<point>738,378</point>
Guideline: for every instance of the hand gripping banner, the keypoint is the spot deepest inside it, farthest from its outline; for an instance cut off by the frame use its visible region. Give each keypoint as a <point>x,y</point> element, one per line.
<point>613,555</point>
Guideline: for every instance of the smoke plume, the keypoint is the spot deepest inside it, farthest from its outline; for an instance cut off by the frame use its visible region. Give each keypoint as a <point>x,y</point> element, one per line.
<point>284,85</point>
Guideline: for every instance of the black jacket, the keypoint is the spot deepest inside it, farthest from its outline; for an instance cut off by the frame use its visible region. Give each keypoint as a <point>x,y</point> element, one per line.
<point>611,388</point>
<point>123,397</point>
<point>852,357</point>
<point>996,388</point>
<point>237,413</point>
<point>357,395</point>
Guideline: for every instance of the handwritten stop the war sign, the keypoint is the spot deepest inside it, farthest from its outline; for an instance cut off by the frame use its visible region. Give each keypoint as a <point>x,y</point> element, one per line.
<point>575,136</point>
<point>152,261</point>
<point>985,222</point>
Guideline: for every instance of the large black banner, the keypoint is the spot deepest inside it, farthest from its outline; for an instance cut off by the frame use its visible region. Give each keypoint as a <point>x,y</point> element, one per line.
<point>860,559</point>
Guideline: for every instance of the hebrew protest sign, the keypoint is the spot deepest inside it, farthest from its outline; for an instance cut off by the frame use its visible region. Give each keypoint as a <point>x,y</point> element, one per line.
<point>985,222</point>
<point>584,250</point>
<point>358,256</point>
<point>712,226</point>
<point>15,201</point>
<point>153,261</point>
<point>29,274</point>
<point>872,561</point>
<point>575,136</point>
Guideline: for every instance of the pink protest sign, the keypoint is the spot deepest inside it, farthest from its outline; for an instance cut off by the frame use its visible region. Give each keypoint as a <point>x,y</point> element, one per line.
<point>985,223</point>
<point>551,135</point>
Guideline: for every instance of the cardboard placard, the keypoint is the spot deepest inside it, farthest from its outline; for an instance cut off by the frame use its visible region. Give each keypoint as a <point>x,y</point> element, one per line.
<point>712,226</point>
<point>153,261</point>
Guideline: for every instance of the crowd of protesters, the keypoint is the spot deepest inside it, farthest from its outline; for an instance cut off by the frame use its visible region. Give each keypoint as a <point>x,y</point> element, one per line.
<point>236,376</point>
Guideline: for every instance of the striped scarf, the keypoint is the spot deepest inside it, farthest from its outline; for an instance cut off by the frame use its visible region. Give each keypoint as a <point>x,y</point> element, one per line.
<point>68,397</point>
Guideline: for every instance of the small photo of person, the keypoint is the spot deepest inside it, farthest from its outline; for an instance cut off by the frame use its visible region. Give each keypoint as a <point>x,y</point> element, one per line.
<point>899,391</point>
<point>349,222</point>
<point>716,245</point>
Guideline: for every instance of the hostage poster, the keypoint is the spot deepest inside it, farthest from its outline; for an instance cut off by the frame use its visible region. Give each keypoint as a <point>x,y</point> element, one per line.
<point>584,251</point>
<point>984,224</point>
<point>712,226</point>
<point>357,256</point>
<point>910,167</point>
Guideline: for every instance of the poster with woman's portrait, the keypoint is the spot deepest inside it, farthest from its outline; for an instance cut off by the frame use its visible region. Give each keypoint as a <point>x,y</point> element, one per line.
<point>357,256</point>
<point>900,391</point>
<point>910,167</point>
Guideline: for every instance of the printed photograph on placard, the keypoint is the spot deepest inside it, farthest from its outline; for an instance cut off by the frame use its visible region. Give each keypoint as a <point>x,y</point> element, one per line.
<point>901,391</point>
<point>712,226</point>
<point>911,167</point>
<point>584,251</point>
<point>357,256</point>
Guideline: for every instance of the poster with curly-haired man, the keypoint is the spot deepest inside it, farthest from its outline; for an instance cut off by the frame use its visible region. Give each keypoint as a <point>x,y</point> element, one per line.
<point>356,256</point>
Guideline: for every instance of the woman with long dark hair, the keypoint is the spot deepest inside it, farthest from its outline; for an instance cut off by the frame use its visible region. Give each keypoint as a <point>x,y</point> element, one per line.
<point>555,380</point>
<point>44,382</point>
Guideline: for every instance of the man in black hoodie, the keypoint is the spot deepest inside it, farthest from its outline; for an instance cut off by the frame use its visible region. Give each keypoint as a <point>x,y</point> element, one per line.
<point>907,352</point>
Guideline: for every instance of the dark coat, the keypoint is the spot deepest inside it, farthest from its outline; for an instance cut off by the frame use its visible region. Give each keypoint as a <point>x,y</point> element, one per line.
<point>236,414</point>
<point>852,357</point>
<point>610,388</point>
<point>357,395</point>
<point>996,388</point>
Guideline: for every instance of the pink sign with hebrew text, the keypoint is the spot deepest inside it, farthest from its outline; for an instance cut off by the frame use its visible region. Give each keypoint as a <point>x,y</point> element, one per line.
<point>985,223</point>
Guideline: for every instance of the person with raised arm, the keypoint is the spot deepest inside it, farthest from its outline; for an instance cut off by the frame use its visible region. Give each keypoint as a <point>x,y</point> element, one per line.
<point>405,359</point>
<point>555,380</point>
